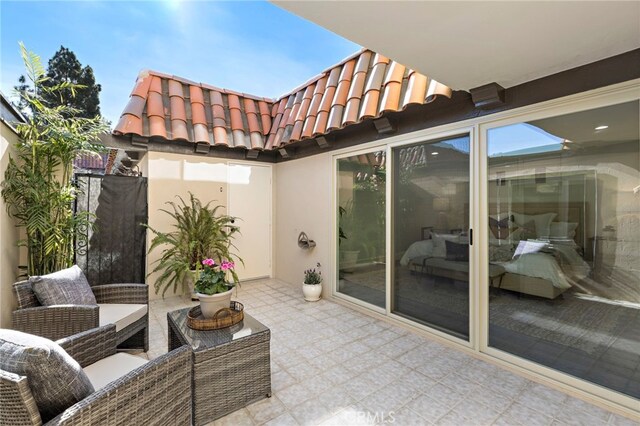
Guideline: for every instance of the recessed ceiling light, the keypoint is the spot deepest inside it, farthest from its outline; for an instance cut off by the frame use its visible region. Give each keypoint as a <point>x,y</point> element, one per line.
<point>434,153</point>
<point>602,127</point>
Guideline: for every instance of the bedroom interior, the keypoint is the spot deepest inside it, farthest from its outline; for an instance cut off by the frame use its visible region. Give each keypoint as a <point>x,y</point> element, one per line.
<point>563,239</point>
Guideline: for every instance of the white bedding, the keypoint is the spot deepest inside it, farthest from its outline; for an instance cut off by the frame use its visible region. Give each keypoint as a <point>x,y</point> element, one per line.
<point>560,263</point>
<point>418,249</point>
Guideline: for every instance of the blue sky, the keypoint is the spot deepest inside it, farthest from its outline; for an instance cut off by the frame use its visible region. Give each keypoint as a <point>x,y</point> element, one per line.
<point>512,139</point>
<point>251,47</point>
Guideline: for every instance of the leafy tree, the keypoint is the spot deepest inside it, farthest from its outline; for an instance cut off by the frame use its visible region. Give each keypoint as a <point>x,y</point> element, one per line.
<point>23,87</point>
<point>37,186</point>
<point>64,67</point>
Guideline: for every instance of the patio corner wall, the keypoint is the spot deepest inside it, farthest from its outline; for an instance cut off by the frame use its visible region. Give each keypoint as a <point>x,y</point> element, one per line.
<point>9,252</point>
<point>170,175</point>
<point>303,204</point>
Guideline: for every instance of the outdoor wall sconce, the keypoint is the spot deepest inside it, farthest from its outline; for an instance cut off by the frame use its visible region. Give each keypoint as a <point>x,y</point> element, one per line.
<point>304,242</point>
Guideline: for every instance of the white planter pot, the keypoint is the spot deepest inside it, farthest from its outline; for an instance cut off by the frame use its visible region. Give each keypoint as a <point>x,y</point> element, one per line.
<point>212,304</point>
<point>311,292</point>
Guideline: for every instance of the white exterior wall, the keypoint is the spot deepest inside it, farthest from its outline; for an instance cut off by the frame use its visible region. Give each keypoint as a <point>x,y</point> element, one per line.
<point>177,174</point>
<point>9,252</point>
<point>303,202</point>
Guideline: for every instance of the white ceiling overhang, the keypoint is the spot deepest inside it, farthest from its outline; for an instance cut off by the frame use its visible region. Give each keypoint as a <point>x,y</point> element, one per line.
<point>469,44</point>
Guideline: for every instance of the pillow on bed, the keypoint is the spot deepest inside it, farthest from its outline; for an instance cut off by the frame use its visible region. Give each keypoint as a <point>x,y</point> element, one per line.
<point>439,247</point>
<point>542,222</point>
<point>564,230</point>
<point>501,229</point>
<point>528,231</point>
<point>456,251</point>
<point>501,253</point>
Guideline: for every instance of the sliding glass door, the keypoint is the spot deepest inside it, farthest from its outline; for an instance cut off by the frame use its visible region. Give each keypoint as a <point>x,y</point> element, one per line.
<point>564,243</point>
<point>361,193</point>
<point>430,234</point>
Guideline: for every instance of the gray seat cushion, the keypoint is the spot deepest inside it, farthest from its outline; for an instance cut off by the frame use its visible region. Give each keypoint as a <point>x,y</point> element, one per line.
<point>56,380</point>
<point>66,287</point>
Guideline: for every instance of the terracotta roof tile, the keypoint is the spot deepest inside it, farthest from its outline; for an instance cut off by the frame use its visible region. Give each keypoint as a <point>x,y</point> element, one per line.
<point>198,115</point>
<point>135,106</point>
<point>179,129</point>
<point>195,93</point>
<point>236,119</point>
<point>129,124</point>
<point>239,138</point>
<point>257,140</point>
<point>416,89</point>
<point>175,88</point>
<point>234,101</point>
<point>220,136</point>
<point>364,85</point>
<point>154,105</point>
<point>142,84</point>
<point>265,117</point>
<point>178,111</point>
<point>156,85</point>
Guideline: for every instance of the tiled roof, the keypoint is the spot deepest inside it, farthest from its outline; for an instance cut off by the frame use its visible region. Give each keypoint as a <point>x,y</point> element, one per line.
<point>363,86</point>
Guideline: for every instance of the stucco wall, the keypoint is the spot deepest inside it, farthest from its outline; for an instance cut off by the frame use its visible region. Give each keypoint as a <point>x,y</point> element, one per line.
<point>9,253</point>
<point>176,174</point>
<point>303,203</point>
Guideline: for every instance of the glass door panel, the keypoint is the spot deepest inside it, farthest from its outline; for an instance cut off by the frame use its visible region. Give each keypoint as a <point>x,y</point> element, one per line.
<point>564,243</point>
<point>431,234</point>
<point>361,227</point>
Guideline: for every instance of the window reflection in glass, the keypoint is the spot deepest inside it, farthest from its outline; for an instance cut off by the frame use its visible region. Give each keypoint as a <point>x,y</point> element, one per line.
<point>564,233</point>
<point>361,227</point>
<point>430,234</point>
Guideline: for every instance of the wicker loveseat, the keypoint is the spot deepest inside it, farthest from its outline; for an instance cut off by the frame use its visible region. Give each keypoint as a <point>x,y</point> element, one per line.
<point>157,392</point>
<point>59,321</point>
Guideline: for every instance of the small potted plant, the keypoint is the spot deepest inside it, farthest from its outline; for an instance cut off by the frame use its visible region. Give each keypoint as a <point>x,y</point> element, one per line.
<point>312,285</point>
<point>213,287</point>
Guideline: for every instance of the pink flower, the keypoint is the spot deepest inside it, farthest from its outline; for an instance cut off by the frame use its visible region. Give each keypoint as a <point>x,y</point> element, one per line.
<point>227,265</point>
<point>209,262</point>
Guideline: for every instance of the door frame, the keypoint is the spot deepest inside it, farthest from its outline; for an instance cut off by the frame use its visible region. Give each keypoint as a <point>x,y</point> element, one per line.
<point>271,207</point>
<point>478,332</point>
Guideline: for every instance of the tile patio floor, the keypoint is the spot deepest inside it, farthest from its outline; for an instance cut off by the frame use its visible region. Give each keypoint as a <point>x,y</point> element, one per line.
<point>332,365</point>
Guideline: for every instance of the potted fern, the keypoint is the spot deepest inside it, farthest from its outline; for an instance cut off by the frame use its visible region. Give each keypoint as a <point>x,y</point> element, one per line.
<point>200,232</point>
<point>312,285</point>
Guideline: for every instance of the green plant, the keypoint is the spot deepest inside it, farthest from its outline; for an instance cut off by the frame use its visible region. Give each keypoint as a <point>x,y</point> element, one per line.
<point>346,222</point>
<point>311,276</point>
<point>213,277</point>
<point>37,186</point>
<point>200,233</point>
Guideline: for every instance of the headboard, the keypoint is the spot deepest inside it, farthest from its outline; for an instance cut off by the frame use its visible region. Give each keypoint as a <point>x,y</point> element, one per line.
<point>566,212</point>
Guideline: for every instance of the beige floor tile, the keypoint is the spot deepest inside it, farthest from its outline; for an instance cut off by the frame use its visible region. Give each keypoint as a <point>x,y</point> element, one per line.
<point>332,365</point>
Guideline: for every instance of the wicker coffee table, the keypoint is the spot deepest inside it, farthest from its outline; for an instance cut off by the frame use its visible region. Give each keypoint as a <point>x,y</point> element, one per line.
<point>231,366</point>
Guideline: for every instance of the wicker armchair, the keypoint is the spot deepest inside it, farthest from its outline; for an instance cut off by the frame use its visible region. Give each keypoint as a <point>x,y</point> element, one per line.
<point>157,393</point>
<point>57,322</point>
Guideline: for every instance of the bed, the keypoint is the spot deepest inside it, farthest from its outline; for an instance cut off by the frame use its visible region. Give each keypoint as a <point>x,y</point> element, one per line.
<point>542,262</point>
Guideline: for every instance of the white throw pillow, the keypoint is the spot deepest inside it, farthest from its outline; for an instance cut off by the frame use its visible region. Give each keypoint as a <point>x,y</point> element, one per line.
<point>439,245</point>
<point>542,221</point>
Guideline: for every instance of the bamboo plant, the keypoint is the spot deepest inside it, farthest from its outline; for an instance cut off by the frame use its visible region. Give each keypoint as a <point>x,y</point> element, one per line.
<point>199,233</point>
<point>38,184</point>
